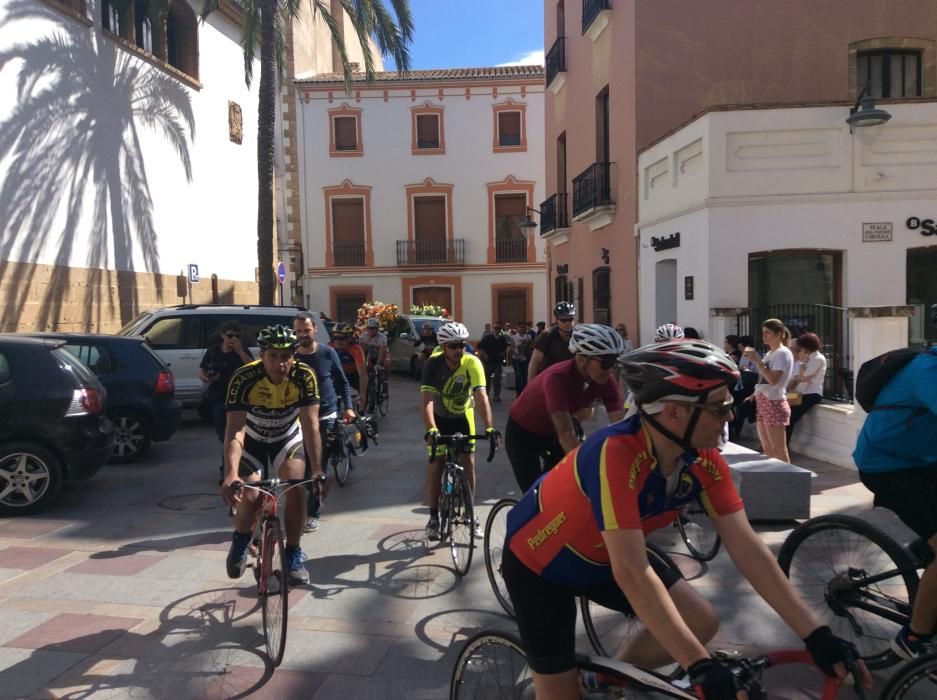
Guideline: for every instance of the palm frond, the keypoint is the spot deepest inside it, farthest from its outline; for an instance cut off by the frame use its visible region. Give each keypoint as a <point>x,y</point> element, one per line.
<point>250,38</point>
<point>321,7</point>
<point>363,22</point>
<point>208,7</point>
<point>391,37</point>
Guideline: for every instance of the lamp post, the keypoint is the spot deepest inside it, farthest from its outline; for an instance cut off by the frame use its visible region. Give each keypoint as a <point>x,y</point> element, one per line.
<point>865,113</point>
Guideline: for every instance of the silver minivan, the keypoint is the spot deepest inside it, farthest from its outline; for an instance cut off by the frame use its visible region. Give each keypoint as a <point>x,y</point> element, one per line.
<point>181,334</point>
<point>404,341</point>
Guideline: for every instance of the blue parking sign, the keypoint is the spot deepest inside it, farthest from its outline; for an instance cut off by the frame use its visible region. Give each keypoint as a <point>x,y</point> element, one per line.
<point>193,273</point>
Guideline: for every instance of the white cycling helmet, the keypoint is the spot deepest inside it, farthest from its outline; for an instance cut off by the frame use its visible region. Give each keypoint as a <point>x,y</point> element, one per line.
<point>451,332</point>
<point>595,339</point>
<point>373,322</point>
<point>669,331</point>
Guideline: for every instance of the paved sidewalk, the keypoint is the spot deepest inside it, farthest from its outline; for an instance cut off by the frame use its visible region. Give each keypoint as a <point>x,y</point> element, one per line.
<point>120,590</point>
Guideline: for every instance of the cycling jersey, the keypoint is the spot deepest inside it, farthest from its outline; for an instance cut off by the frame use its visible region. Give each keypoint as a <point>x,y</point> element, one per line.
<point>453,388</point>
<point>350,356</point>
<point>272,409</point>
<point>610,482</point>
<point>371,345</point>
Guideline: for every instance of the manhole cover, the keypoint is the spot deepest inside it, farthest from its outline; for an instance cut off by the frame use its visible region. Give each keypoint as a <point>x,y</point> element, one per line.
<point>192,501</point>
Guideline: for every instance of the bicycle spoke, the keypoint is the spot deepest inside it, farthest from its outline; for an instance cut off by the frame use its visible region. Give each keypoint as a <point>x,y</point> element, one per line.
<point>274,593</point>
<point>495,532</point>
<point>492,668</point>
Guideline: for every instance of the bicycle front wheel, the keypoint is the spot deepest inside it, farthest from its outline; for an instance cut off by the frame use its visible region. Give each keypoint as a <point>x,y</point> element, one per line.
<point>857,580</point>
<point>492,666</point>
<point>273,591</point>
<point>698,532</point>
<point>340,458</point>
<point>461,525</point>
<point>383,399</point>
<point>915,681</point>
<point>495,531</point>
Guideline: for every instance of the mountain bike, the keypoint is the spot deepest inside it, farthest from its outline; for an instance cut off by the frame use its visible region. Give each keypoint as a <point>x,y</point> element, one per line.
<point>378,392</point>
<point>698,532</point>
<point>857,579</point>
<point>916,680</point>
<point>492,664</point>
<point>456,505</point>
<point>266,558</point>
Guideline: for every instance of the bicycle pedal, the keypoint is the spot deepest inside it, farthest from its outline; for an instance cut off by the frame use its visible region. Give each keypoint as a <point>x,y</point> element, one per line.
<point>726,654</point>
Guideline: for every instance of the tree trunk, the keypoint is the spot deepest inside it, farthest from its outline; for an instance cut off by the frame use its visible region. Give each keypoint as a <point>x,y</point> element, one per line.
<point>266,125</point>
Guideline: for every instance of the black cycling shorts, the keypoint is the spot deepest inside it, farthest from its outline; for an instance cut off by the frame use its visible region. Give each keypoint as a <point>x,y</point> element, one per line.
<point>449,425</point>
<point>546,611</point>
<point>910,493</point>
<point>258,457</point>
<point>530,454</point>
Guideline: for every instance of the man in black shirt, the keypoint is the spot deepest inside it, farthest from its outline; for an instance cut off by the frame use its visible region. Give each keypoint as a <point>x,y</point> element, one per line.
<point>491,351</point>
<point>218,364</point>
<point>553,345</point>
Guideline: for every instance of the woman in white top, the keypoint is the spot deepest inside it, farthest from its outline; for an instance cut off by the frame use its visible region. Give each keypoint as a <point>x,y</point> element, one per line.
<point>774,371</point>
<point>808,378</point>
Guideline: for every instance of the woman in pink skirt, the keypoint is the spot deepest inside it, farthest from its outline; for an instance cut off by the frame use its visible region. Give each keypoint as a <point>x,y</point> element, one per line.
<point>774,373</point>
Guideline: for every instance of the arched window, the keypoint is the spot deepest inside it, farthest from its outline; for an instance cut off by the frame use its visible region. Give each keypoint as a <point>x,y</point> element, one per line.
<point>601,296</point>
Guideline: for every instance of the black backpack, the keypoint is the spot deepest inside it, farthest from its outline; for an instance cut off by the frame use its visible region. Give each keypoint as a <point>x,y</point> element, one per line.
<point>874,374</point>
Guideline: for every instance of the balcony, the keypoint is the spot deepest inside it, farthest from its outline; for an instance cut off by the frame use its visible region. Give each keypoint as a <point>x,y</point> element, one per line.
<point>348,254</point>
<point>437,252</point>
<point>556,65</point>
<point>510,250</point>
<point>592,196</point>
<point>595,17</point>
<point>554,218</point>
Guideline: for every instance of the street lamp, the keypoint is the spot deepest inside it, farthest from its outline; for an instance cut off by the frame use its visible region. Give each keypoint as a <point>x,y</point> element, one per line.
<point>865,113</point>
<point>528,224</point>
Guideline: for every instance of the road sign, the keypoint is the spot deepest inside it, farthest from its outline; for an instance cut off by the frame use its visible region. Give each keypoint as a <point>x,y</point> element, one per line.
<point>281,272</point>
<point>193,273</point>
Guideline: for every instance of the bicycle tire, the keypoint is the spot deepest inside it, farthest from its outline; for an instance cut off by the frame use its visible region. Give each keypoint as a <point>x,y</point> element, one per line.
<point>462,526</point>
<point>383,399</point>
<point>698,533</point>
<point>342,465</point>
<point>608,629</point>
<point>916,680</point>
<point>495,530</point>
<point>491,665</point>
<point>839,563</point>
<point>274,601</point>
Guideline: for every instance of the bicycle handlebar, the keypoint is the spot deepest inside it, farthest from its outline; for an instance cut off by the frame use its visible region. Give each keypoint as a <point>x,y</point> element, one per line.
<point>438,439</point>
<point>748,670</point>
<point>271,485</point>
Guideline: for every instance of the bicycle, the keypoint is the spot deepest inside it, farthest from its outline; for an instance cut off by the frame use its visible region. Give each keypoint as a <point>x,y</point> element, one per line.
<point>456,505</point>
<point>267,561</point>
<point>916,680</point>
<point>858,580</point>
<point>378,392</point>
<point>496,529</point>
<point>698,533</point>
<point>341,450</point>
<point>492,664</point>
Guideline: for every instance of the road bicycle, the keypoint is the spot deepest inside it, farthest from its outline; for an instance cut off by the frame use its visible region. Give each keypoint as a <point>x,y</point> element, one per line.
<point>378,392</point>
<point>492,665</point>
<point>456,505</point>
<point>496,529</point>
<point>857,579</point>
<point>266,558</point>
<point>698,532</point>
<point>916,680</point>
<point>343,446</point>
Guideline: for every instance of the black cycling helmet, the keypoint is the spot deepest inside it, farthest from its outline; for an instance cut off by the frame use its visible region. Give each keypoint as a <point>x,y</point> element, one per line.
<point>564,308</point>
<point>690,368</point>
<point>342,328</point>
<point>278,337</point>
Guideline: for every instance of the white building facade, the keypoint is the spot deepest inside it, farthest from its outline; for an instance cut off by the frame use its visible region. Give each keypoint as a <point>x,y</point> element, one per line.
<point>413,190</point>
<point>750,214</point>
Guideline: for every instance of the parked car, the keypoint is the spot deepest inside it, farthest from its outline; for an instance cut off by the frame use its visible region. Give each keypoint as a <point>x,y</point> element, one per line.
<point>53,425</point>
<point>181,334</point>
<point>140,389</point>
<point>404,341</point>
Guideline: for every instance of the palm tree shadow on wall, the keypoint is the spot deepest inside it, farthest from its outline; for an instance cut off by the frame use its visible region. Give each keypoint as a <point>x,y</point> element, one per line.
<point>76,178</point>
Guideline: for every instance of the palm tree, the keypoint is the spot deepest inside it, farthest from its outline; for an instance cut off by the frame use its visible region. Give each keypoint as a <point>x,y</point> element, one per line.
<point>265,24</point>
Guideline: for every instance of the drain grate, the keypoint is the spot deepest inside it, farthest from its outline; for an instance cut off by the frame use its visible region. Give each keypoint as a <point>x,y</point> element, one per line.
<point>192,501</point>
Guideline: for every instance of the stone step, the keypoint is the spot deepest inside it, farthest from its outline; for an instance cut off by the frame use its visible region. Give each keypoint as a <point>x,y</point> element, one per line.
<point>770,488</point>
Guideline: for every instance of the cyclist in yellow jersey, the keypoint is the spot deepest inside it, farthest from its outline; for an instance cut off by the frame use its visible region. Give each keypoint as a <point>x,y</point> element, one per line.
<point>272,414</point>
<point>453,385</point>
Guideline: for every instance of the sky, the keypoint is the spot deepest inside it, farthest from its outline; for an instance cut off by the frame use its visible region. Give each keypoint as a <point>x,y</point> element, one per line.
<point>471,33</point>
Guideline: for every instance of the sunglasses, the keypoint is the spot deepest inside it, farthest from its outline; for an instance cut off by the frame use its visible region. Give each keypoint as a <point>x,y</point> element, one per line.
<point>720,410</point>
<point>232,335</point>
<point>455,346</point>
<point>565,320</point>
<point>606,361</point>
<point>340,338</point>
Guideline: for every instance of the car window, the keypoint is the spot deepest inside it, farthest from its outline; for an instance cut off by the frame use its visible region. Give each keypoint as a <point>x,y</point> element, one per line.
<point>5,374</point>
<point>74,367</point>
<point>403,326</point>
<point>136,323</point>
<point>174,332</point>
<point>93,355</point>
<point>212,326</point>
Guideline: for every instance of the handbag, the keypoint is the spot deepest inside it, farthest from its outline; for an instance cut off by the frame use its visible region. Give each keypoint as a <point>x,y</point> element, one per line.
<point>795,398</point>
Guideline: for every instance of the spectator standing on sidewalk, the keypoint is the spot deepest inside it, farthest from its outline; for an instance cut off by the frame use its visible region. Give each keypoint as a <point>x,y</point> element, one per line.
<point>491,350</point>
<point>520,355</point>
<point>218,364</point>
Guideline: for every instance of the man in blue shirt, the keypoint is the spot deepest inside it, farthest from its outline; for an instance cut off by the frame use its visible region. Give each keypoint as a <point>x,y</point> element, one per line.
<point>332,384</point>
<point>897,458</point>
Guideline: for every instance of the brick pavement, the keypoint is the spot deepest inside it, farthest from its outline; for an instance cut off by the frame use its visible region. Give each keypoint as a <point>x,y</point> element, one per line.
<point>120,590</point>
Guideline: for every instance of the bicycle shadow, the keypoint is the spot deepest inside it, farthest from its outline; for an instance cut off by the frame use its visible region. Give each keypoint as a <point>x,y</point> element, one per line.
<point>219,539</point>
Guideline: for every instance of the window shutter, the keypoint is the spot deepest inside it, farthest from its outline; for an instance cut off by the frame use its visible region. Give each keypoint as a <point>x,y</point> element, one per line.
<point>429,218</point>
<point>509,128</point>
<point>346,133</point>
<point>427,131</point>
<point>348,220</point>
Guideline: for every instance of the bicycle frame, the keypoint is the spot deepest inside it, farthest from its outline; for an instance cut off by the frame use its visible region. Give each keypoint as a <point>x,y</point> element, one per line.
<point>856,595</point>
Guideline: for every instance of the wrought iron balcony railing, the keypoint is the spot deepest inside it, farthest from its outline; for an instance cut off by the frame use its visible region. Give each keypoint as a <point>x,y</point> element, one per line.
<point>435,252</point>
<point>348,253</point>
<point>508,250</point>
<point>556,59</point>
<point>554,213</point>
<point>591,10</point>
<point>592,188</point>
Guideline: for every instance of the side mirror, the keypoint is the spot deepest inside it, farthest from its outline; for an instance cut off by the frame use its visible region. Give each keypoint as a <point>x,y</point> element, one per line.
<point>404,336</point>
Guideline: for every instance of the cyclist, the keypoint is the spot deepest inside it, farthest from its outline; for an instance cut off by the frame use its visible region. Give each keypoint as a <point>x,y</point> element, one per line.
<point>897,459</point>
<point>540,428</point>
<point>668,331</point>
<point>374,344</point>
<point>553,346</point>
<point>333,387</point>
<point>581,531</point>
<point>352,359</point>
<point>273,413</point>
<point>453,385</point>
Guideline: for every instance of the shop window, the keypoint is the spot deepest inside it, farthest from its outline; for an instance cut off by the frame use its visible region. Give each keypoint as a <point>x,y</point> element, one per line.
<point>889,73</point>
<point>601,296</point>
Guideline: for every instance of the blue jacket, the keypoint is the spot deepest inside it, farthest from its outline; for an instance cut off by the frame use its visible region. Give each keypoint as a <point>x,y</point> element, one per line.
<point>332,381</point>
<point>903,438</point>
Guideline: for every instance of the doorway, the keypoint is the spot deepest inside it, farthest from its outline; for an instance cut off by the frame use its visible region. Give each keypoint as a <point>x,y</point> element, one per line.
<point>922,293</point>
<point>665,292</point>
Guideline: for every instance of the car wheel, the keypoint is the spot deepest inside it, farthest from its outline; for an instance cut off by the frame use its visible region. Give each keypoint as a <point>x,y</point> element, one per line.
<point>131,437</point>
<point>30,478</point>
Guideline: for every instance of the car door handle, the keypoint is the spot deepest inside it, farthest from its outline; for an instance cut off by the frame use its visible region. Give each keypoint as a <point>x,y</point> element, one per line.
<point>188,357</point>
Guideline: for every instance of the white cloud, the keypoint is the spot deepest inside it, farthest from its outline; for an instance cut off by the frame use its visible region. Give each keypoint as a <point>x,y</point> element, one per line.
<point>531,58</point>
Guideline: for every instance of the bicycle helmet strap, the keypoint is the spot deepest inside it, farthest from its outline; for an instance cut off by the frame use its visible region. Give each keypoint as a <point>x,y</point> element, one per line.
<point>685,441</point>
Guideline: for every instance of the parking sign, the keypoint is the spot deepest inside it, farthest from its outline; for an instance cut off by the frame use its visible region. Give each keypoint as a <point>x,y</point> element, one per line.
<point>193,273</point>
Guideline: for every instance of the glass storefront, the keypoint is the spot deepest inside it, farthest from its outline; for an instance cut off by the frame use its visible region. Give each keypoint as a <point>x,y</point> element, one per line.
<point>922,293</point>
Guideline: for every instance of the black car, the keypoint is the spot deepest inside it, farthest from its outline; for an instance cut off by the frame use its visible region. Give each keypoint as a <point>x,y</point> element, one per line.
<point>140,388</point>
<point>52,422</point>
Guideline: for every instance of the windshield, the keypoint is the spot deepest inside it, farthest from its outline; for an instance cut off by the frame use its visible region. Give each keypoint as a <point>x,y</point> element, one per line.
<point>135,323</point>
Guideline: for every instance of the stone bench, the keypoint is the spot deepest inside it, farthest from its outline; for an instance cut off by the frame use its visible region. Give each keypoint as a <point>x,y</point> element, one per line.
<point>771,489</point>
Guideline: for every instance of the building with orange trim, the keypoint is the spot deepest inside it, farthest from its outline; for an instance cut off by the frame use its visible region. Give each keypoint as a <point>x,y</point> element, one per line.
<point>413,189</point>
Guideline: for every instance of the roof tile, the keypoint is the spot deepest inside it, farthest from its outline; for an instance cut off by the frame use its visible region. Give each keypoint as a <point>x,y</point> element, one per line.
<point>416,76</point>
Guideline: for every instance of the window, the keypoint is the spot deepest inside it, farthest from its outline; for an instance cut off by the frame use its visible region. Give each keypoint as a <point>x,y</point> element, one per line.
<point>509,129</point>
<point>562,289</point>
<point>173,332</point>
<point>601,296</point>
<point>347,305</point>
<point>143,26</point>
<point>348,231</point>
<point>117,20</point>
<point>182,38</point>
<point>172,38</point>
<point>512,305</point>
<point>346,134</point>
<point>429,229</point>
<point>94,356</point>
<point>427,131</point>
<point>602,149</point>
<point>889,73</point>
<point>433,296</point>
<point>561,163</point>
<point>510,243</point>
<point>510,133</point>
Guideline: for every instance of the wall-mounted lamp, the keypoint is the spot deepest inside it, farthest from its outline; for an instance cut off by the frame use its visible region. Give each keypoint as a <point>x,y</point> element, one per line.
<point>528,224</point>
<point>865,113</point>
<point>604,255</point>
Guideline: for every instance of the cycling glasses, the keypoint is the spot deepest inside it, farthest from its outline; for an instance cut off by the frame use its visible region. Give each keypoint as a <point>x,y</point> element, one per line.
<point>455,346</point>
<point>232,335</point>
<point>722,409</point>
<point>338,338</point>
<point>565,319</point>
<point>606,361</point>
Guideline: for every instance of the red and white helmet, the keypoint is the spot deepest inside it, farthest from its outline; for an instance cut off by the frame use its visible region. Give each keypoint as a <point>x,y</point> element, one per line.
<point>690,368</point>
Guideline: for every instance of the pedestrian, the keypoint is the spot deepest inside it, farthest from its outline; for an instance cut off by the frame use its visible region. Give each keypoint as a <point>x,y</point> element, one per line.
<point>523,342</point>
<point>219,362</point>
<point>487,331</point>
<point>691,332</point>
<point>541,327</point>
<point>807,382</point>
<point>492,350</point>
<point>774,370</point>
<point>622,330</point>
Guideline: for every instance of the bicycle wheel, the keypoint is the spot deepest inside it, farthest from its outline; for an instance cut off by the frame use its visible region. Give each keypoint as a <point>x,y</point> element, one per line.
<point>830,558</point>
<point>698,532</point>
<point>917,680</point>
<point>495,531</point>
<point>492,665</point>
<point>462,525</point>
<point>340,456</point>
<point>608,630</point>
<point>274,592</point>
<point>383,399</point>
